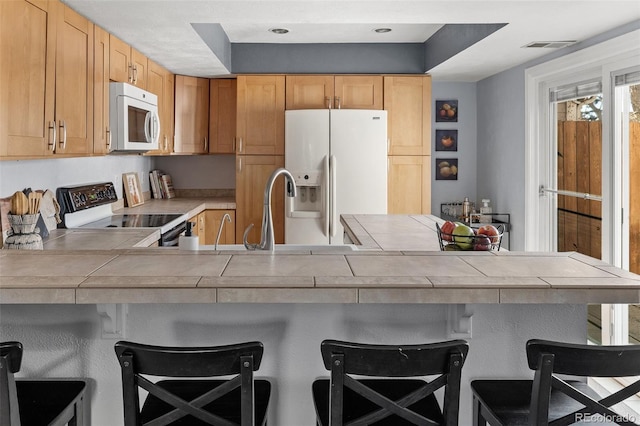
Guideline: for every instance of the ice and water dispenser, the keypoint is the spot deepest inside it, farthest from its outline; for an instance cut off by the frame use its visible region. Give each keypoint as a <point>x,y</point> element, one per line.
<point>309,201</point>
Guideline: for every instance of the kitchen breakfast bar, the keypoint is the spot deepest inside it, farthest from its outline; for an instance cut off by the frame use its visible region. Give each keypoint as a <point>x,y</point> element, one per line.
<point>68,307</point>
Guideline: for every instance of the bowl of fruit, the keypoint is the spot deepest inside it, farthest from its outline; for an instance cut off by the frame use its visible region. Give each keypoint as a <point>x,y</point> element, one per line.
<point>457,236</point>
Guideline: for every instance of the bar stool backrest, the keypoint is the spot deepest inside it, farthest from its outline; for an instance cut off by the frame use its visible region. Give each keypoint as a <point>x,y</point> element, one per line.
<point>138,359</point>
<point>345,359</point>
<point>10,360</point>
<point>550,359</point>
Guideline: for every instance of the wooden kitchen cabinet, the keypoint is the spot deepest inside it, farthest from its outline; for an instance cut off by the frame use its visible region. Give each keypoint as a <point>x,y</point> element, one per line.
<point>222,115</point>
<point>209,224</point>
<point>160,83</point>
<point>27,98</point>
<point>252,172</point>
<point>101,126</point>
<point>328,91</point>
<point>127,65</point>
<point>46,90</point>
<point>407,100</point>
<point>409,184</point>
<point>260,115</point>
<point>191,115</point>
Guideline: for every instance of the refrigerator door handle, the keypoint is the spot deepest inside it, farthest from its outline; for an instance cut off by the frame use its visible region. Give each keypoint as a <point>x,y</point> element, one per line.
<point>326,204</point>
<point>334,209</point>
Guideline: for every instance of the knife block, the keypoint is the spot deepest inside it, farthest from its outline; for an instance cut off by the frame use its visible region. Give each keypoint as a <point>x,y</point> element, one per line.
<point>24,234</point>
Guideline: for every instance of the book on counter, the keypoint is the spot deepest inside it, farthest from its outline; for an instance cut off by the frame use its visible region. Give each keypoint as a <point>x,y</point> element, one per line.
<point>161,184</point>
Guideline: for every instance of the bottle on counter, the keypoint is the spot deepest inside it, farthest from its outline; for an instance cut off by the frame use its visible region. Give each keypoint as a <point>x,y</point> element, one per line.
<point>485,211</point>
<point>466,210</point>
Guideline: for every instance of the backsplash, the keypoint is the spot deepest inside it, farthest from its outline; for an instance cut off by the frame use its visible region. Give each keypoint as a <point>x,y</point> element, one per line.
<point>52,173</point>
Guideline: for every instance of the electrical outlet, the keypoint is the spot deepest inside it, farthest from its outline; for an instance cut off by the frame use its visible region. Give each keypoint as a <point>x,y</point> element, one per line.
<point>117,183</point>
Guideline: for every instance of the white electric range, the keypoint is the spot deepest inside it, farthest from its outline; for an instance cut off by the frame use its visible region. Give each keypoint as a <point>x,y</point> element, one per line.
<point>89,206</point>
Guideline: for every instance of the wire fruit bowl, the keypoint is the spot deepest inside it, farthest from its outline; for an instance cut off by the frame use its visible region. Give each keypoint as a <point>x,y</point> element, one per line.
<point>457,242</point>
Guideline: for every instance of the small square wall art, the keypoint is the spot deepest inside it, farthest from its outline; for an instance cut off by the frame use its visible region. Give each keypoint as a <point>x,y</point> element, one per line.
<point>446,140</point>
<point>447,111</point>
<point>446,169</point>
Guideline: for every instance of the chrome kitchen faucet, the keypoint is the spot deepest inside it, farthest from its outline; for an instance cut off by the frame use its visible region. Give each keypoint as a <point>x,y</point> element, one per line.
<point>267,241</point>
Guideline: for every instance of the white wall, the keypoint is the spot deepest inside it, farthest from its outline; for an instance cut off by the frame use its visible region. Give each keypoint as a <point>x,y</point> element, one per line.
<point>15,175</point>
<point>64,341</point>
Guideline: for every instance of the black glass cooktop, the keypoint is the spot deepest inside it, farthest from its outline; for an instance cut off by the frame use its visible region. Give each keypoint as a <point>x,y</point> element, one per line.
<point>133,221</point>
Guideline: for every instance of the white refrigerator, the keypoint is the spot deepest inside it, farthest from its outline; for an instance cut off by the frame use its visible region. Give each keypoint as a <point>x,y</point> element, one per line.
<point>338,158</point>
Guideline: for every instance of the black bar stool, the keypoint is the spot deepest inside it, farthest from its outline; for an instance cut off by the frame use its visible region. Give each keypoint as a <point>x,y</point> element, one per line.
<point>240,400</point>
<point>551,400</point>
<point>391,398</point>
<point>45,402</point>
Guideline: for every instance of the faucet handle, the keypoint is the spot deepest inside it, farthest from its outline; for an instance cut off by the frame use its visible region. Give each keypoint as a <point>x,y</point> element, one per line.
<point>248,245</point>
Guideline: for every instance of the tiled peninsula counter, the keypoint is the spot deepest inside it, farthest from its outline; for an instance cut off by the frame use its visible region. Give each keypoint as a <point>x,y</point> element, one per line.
<point>397,289</point>
<point>380,272</point>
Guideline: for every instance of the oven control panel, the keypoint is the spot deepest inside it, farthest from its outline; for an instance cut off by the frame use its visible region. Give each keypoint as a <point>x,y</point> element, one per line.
<point>83,197</point>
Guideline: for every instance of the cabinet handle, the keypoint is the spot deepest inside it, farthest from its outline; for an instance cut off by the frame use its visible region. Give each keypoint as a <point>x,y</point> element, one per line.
<point>108,139</point>
<point>63,134</point>
<point>240,145</point>
<point>328,100</point>
<point>135,74</point>
<point>52,145</point>
<point>338,103</point>
<point>130,77</point>
<point>206,144</point>
<point>239,164</point>
<point>166,143</point>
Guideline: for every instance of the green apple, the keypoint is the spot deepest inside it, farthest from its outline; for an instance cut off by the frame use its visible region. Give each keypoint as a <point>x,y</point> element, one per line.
<point>463,236</point>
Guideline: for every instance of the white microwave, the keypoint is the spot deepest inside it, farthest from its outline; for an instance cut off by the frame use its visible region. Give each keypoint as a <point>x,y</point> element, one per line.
<point>134,120</point>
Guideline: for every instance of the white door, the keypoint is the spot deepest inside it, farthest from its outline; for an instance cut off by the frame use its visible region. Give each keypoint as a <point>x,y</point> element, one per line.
<point>358,162</point>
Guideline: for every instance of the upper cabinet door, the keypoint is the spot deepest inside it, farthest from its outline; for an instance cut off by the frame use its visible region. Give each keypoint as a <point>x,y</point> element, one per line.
<point>101,129</point>
<point>127,65</point>
<point>191,115</point>
<point>336,92</point>
<point>139,64</point>
<point>260,118</point>
<point>407,100</point>
<point>27,78</point>
<point>309,91</point>
<point>74,83</point>
<point>358,92</point>
<point>222,115</point>
<point>120,67</point>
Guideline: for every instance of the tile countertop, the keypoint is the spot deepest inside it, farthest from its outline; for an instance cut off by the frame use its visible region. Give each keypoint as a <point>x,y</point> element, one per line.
<point>417,275</point>
<point>122,238</point>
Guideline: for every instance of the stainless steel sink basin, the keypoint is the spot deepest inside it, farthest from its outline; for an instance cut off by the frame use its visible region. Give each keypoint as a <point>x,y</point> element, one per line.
<point>280,248</point>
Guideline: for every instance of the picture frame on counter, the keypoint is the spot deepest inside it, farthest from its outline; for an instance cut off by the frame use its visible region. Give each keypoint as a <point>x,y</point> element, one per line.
<point>132,190</point>
<point>446,169</point>
<point>447,111</point>
<point>446,140</point>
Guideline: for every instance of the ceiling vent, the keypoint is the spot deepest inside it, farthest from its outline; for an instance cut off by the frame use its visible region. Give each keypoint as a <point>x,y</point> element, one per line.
<point>551,44</point>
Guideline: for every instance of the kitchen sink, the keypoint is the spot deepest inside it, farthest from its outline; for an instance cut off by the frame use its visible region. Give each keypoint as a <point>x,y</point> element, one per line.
<point>279,248</point>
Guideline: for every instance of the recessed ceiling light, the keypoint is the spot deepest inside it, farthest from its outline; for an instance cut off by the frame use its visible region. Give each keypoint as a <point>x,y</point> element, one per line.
<point>279,30</point>
<point>382,30</point>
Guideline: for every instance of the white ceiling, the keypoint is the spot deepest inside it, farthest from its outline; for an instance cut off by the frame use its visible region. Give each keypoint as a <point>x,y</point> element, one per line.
<point>162,29</point>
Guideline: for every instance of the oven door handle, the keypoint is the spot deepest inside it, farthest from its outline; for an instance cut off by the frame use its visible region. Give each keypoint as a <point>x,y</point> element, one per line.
<point>171,237</point>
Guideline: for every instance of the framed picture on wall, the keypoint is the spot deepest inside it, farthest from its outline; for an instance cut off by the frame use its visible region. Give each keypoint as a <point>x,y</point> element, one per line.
<point>446,140</point>
<point>447,111</point>
<point>446,169</point>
